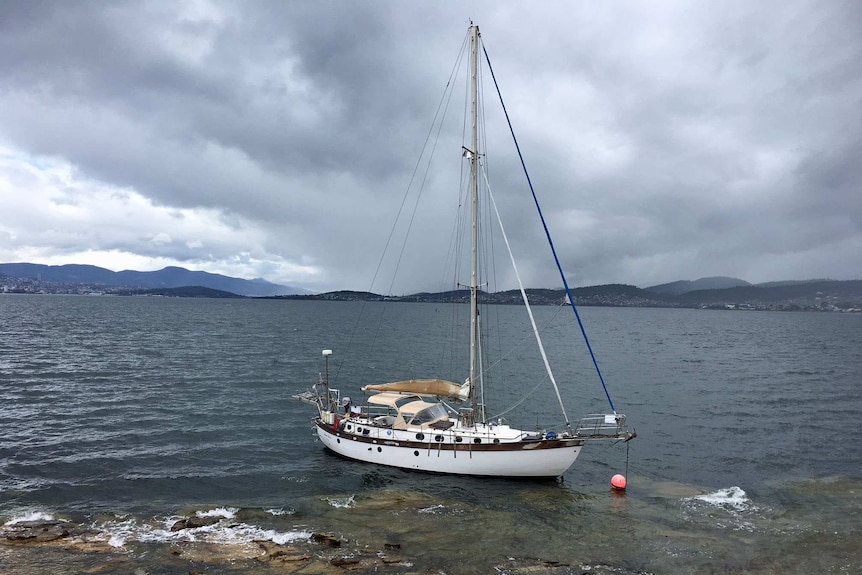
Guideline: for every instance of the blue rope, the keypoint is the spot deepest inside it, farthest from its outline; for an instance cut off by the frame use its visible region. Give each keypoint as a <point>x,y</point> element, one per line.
<point>548,233</point>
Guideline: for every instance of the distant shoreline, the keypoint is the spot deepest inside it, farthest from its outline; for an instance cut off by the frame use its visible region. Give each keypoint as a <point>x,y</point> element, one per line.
<point>822,296</point>
<point>826,295</point>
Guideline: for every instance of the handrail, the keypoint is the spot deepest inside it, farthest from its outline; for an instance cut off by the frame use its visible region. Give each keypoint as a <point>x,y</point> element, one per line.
<point>604,426</point>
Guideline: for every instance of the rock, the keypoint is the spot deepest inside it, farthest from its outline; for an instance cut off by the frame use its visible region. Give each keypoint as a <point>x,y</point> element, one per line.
<point>38,531</point>
<point>38,524</point>
<point>67,535</point>
<point>88,546</point>
<point>275,552</point>
<point>287,556</point>
<point>195,522</point>
<point>326,539</point>
<point>202,552</point>
<point>344,561</point>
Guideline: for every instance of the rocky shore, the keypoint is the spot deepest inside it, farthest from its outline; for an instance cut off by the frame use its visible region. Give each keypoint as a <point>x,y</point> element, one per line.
<point>321,553</point>
<point>57,546</point>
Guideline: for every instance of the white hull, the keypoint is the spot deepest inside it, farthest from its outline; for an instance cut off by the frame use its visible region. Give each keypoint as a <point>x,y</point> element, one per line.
<point>439,452</point>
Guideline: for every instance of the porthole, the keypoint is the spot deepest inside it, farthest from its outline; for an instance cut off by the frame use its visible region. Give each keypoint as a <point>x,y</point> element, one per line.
<point>379,450</point>
<point>458,439</point>
<point>416,453</point>
<point>349,427</point>
<point>438,438</point>
<point>477,440</point>
<point>496,440</point>
<point>337,440</point>
<point>420,436</point>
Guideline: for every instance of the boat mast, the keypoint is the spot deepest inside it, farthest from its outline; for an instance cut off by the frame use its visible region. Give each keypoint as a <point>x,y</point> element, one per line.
<point>478,410</point>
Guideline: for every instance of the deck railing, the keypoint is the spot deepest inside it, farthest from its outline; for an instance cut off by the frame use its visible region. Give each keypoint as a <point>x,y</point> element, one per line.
<point>603,426</point>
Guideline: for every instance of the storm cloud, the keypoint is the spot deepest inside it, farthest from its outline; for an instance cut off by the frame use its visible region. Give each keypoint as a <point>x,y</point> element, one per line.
<point>275,139</point>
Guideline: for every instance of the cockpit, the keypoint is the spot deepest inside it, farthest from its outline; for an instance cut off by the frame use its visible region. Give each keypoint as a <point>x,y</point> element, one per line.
<point>412,410</point>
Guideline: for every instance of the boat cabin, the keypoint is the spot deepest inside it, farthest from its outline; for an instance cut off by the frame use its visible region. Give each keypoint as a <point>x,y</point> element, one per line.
<point>410,411</point>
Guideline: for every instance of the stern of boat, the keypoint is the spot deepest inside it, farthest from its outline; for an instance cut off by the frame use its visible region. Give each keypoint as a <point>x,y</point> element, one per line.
<point>324,397</point>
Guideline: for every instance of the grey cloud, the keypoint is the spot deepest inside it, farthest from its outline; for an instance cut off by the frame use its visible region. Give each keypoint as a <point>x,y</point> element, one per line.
<point>663,140</point>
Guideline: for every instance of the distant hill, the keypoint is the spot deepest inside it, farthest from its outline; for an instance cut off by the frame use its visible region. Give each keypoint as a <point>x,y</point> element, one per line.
<point>685,286</point>
<point>825,291</point>
<point>187,291</point>
<point>169,277</point>
<point>602,295</point>
<point>816,295</point>
<point>791,282</point>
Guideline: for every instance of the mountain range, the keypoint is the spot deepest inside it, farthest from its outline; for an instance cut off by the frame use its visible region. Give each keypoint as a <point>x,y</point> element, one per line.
<point>820,295</point>
<point>169,277</point>
<point>720,291</point>
<point>683,286</point>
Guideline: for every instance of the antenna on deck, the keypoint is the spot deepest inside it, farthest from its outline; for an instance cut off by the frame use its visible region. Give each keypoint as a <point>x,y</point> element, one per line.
<point>326,354</point>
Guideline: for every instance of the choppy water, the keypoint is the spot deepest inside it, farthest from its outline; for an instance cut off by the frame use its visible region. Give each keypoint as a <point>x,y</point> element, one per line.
<point>128,413</point>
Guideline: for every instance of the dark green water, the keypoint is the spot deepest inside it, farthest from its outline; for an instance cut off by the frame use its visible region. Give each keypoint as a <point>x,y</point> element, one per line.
<point>126,413</point>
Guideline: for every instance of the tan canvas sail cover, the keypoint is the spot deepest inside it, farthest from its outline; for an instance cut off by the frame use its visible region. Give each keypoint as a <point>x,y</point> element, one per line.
<point>436,387</point>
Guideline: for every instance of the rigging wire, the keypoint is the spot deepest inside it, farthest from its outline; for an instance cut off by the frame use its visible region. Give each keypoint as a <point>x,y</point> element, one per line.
<point>442,105</point>
<point>526,302</point>
<point>548,234</point>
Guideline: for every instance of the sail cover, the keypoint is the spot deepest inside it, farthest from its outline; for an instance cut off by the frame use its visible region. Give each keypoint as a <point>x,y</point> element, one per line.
<point>438,387</point>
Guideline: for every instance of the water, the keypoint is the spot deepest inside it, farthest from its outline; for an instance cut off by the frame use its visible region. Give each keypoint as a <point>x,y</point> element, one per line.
<point>127,414</point>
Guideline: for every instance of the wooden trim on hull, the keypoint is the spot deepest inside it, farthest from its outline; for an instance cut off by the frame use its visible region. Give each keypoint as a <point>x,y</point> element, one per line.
<point>530,458</point>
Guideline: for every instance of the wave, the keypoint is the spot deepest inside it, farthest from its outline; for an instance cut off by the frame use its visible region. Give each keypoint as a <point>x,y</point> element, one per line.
<point>728,508</point>
<point>225,512</point>
<point>31,516</point>
<point>432,509</point>
<point>120,531</point>
<point>226,532</point>
<point>731,498</point>
<point>341,502</point>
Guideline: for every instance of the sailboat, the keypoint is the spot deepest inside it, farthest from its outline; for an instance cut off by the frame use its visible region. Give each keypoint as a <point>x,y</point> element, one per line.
<point>440,426</point>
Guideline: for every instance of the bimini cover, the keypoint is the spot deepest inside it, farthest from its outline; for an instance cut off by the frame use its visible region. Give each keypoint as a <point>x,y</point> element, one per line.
<point>436,387</point>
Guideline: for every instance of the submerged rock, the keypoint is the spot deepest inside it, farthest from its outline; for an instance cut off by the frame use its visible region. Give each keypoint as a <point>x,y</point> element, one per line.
<point>56,533</point>
<point>344,561</point>
<point>38,531</point>
<point>283,553</point>
<point>327,539</point>
<point>195,522</point>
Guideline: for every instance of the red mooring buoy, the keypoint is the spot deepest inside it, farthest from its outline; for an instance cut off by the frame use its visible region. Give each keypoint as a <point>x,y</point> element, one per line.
<point>618,482</point>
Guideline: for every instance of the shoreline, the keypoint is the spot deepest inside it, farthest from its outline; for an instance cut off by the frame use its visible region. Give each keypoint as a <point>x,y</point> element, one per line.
<point>51,546</point>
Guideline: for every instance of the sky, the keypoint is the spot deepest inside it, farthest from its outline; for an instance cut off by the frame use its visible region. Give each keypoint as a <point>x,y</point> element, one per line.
<point>665,140</point>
